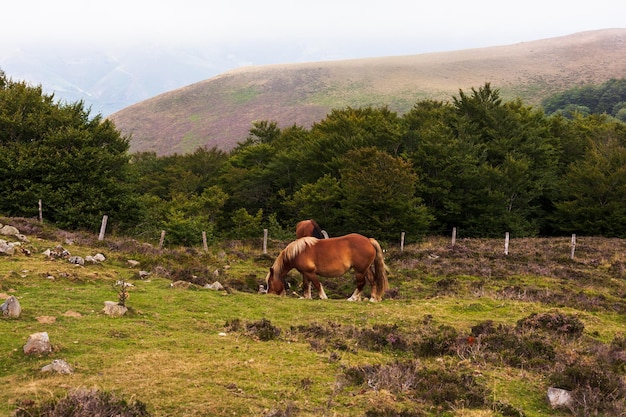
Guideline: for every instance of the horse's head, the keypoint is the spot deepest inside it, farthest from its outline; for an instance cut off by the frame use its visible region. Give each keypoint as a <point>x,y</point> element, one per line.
<point>275,283</point>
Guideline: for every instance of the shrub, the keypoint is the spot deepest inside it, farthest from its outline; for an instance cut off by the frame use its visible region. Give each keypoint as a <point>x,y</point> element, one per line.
<point>82,402</point>
<point>263,330</point>
<point>595,391</point>
<point>440,386</point>
<point>554,322</point>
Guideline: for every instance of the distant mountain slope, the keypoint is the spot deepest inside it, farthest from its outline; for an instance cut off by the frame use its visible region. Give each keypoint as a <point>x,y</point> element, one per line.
<point>220,111</point>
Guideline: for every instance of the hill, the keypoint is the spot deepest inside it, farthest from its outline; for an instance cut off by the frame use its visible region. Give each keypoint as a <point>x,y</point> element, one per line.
<point>220,111</point>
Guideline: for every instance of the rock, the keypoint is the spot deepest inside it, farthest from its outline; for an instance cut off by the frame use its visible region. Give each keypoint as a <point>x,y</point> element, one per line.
<point>7,248</point>
<point>38,343</point>
<point>9,231</point>
<point>59,366</point>
<point>132,263</point>
<point>215,286</point>
<point>77,260</point>
<point>58,252</point>
<point>111,308</point>
<point>558,397</point>
<point>144,274</point>
<point>11,307</point>
<point>95,259</point>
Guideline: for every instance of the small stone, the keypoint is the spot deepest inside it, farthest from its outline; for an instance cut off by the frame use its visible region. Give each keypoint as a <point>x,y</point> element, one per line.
<point>111,308</point>
<point>7,230</point>
<point>558,397</point>
<point>215,286</point>
<point>11,307</point>
<point>77,260</point>
<point>59,366</point>
<point>38,343</point>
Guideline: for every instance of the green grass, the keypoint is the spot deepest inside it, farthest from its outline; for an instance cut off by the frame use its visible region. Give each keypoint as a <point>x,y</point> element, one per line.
<point>189,352</point>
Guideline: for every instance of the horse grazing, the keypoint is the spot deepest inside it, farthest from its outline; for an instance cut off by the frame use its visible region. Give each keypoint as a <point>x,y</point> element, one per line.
<point>331,258</point>
<point>308,228</point>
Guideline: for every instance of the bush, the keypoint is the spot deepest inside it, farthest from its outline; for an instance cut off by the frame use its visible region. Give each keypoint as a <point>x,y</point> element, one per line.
<point>439,386</point>
<point>554,322</point>
<point>82,402</point>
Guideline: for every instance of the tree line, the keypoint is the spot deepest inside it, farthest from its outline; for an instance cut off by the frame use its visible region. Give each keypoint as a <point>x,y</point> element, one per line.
<point>475,163</point>
<point>608,97</point>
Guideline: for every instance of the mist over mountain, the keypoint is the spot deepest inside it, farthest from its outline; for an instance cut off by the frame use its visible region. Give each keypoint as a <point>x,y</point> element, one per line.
<point>219,111</point>
<point>110,79</point>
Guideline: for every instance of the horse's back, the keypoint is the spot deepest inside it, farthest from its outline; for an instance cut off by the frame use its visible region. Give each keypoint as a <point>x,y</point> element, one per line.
<point>355,249</point>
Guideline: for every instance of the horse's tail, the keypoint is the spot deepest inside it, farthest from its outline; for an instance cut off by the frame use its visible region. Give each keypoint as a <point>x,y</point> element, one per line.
<point>380,284</point>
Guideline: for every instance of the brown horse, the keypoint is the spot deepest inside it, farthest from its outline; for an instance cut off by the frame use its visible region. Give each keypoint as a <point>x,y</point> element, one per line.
<point>331,258</point>
<point>308,228</point>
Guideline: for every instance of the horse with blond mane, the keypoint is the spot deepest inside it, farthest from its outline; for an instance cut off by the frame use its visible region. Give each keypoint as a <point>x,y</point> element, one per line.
<point>331,258</point>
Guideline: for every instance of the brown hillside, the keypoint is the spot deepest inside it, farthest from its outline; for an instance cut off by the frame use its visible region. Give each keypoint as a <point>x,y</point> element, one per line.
<point>220,111</point>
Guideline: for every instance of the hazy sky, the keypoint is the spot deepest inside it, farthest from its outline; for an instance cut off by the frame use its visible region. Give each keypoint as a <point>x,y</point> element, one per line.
<point>327,29</point>
<point>114,53</point>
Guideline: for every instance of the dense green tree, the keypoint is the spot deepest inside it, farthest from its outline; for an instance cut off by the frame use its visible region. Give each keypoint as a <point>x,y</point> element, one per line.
<point>379,195</point>
<point>593,190</point>
<point>484,165</point>
<point>246,225</point>
<point>440,159</point>
<point>320,200</point>
<point>588,99</point>
<point>55,152</point>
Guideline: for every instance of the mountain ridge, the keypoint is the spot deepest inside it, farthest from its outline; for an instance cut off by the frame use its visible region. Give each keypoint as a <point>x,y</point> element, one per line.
<point>218,112</point>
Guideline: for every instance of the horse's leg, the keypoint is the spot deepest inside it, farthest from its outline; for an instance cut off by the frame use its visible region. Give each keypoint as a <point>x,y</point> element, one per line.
<point>319,287</point>
<point>356,295</point>
<point>370,278</point>
<point>360,283</point>
<point>306,286</point>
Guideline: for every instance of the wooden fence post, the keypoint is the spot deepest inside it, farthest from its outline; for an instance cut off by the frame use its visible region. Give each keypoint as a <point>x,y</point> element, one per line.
<point>573,246</point>
<point>506,243</point>
<point>40,212</point>
<point>402,242</point>
<point>265,241</point>
<point>103,227</point>
<point>204,244</point>
<point>453,236</point>
<point>162,239</point>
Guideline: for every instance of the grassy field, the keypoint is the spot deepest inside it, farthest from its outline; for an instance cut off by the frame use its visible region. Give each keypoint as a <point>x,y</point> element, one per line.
<point>464,330</point>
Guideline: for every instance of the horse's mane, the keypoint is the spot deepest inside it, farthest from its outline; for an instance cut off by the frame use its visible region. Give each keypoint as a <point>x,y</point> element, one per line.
<point>292,250</point>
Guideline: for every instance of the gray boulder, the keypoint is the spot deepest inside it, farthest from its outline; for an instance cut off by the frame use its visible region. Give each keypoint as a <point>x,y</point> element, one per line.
<point>38,343</point>
<point>59,366</point>
<point>558,397</point>
<point>111,308</point>
<point>7,230</point>
<point>11,307</point>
